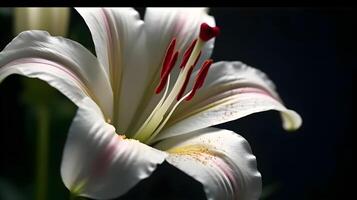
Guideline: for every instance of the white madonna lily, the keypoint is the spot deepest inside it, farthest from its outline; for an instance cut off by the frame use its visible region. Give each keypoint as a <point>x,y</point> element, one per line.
<point>138,105</point>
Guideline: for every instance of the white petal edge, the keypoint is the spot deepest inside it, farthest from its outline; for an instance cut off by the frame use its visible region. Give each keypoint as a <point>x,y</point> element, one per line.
<point>99,163</point>
<point>68,55</point>
<point>232,90</point>
<point>220,159</point>
<point>54,74</point>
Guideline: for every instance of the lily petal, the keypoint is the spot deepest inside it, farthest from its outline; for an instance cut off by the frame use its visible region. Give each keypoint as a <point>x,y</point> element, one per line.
<point>232,90</point>
<point>99,163</point>
<point>220,159</point>
<point>161,25</point>
<point>120,46</point>
<point>64,64</point>
<point>113,30</point>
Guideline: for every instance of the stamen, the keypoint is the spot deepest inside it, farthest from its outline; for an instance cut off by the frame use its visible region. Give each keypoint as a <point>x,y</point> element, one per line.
<point>168,70</point>
<point>207,32</point>
<point>187,54</point>
<point>183,88</point>
<point>171,99</point>
<point>168,56</point>
<point>200,78</point>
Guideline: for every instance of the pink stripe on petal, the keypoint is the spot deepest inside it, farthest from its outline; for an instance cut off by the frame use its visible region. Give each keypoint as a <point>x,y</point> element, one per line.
<point>106,24</point>
<point>80,81</point>
<point>228,172</point>
<point>46,62</point>
<point>105,158</point>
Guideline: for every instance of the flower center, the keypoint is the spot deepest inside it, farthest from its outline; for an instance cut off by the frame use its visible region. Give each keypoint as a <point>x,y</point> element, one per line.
<point>171,99</point>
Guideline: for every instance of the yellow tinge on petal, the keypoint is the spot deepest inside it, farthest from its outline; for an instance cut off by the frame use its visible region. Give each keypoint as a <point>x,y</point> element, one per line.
<point>53,20</point>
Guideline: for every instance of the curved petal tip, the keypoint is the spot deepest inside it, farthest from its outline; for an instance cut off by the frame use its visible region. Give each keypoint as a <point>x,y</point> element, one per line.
<point>291,120</point>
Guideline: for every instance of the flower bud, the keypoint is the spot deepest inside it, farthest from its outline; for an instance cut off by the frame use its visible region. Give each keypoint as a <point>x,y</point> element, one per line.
<point>53,20</point>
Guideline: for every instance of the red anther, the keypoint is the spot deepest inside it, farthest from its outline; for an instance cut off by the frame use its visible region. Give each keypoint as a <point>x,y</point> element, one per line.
<point>171,65</point>
<point>207,32</point>
<point>183,88</point>
<point>191,95</point>
<point>165,75</point>
<point>168,56</point>
<point>187,53</point>
<point>202,74</point>
<point>200,78</point>
<point>161,85</point>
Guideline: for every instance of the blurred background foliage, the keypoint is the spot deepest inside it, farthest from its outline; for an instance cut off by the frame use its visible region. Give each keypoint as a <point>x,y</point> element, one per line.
<point>308,52</point>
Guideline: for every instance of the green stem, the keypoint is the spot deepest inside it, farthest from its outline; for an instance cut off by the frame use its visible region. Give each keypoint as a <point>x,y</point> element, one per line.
<point>42,152</point>
<point>72,196</point>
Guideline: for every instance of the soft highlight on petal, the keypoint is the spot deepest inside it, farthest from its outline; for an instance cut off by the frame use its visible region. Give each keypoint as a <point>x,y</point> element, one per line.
<point>99,163</point>
<point>220,159</point>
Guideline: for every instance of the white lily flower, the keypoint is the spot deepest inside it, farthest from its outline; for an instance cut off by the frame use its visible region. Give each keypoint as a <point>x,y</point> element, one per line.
<point>53,20</point>
<point>138,104</point>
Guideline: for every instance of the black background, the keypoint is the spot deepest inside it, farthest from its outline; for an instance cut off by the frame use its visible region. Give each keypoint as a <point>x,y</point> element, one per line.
<point>309,53</point>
